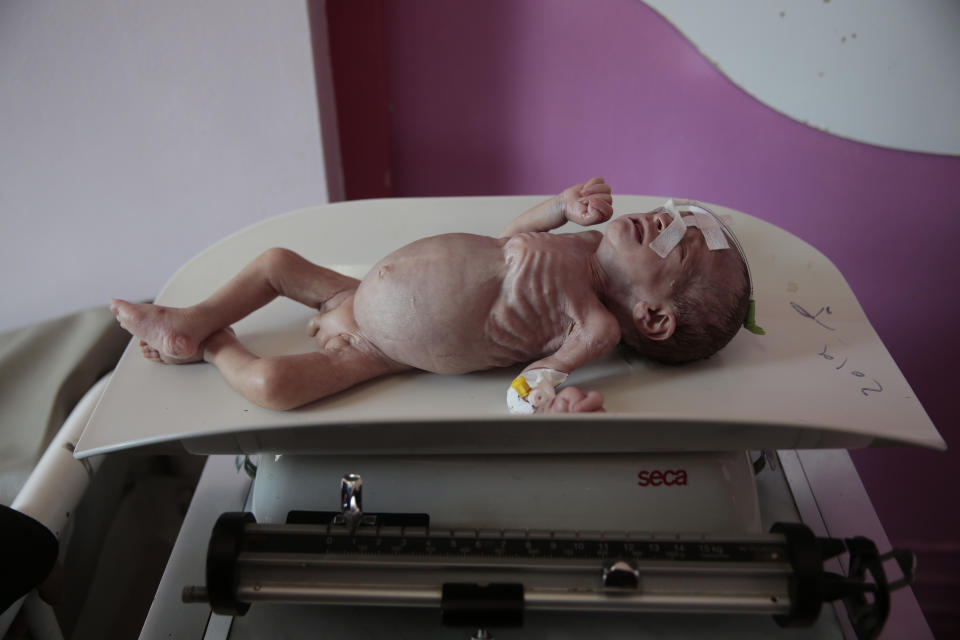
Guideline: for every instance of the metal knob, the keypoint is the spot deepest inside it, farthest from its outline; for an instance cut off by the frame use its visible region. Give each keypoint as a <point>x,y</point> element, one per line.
<point>621,575</point>
<point>351,499</point>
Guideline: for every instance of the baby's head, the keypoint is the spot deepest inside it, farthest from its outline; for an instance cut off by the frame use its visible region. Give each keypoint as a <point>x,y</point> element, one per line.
<point>681,293</point>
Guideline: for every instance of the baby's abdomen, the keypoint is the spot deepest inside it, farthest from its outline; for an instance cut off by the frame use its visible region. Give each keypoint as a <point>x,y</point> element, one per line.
<point>426,305</point>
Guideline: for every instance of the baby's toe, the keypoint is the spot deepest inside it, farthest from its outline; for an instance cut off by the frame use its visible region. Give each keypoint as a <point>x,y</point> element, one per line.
<point>149,352</point>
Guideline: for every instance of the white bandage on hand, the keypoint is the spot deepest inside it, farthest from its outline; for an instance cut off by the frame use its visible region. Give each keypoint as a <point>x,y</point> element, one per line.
<point>533,391</point>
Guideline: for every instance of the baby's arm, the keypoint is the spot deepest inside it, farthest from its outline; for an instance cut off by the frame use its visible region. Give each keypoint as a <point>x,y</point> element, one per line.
<point>588,340</point>
<point>586,204</point>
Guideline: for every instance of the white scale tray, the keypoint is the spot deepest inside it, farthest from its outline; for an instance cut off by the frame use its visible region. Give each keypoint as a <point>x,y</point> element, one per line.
<point>820,378</point>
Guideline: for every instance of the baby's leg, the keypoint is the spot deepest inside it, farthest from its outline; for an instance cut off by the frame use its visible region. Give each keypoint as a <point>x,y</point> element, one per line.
<point>286,382</point>
<point>174,335</point>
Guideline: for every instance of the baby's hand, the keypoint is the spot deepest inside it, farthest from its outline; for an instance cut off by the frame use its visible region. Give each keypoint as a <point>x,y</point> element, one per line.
<point>587,203</point>
<point>573,400</point>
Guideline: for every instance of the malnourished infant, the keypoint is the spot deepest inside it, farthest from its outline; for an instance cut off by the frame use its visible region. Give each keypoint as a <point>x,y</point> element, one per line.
<point>456,303</point>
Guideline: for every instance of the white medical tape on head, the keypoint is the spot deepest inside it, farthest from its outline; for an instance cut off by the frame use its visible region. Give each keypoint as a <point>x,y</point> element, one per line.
<point>532,391</point>
<point>670,237</point>
<point>725,221</point>
<point>704,219</point>
<point>711,230</point>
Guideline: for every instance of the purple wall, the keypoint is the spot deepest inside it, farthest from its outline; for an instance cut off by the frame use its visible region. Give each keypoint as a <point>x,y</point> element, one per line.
<point>520,97</point>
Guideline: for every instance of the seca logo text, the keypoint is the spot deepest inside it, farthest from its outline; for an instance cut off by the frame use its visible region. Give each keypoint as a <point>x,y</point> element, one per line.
<point>658,478</point>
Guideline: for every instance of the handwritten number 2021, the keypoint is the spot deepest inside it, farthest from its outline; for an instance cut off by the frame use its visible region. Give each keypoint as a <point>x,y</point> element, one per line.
<point>859,374</point>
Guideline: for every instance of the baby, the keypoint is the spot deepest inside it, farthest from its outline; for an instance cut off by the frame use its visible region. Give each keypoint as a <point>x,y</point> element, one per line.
<point>457,303</point>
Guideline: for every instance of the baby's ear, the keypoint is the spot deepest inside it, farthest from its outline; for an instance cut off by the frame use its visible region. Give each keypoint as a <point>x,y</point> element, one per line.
<point>656,322</point>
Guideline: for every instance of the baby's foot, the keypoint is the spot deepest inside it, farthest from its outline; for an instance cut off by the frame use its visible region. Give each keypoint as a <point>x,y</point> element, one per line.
<point>155,356</point>
<point>161,330</point>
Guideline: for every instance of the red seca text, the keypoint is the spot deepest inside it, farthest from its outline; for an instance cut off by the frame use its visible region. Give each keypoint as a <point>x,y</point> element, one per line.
<point>658,478</point>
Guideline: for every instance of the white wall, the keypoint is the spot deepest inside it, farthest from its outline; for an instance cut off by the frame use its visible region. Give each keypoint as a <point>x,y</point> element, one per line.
<point>877,71</point>
<point>135,133</point>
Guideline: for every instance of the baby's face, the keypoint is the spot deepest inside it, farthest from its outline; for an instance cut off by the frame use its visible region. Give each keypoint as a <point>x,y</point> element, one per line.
<point>635,272</point>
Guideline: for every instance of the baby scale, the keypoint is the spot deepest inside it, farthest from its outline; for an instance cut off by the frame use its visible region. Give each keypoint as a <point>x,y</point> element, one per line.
<point>416,505</point>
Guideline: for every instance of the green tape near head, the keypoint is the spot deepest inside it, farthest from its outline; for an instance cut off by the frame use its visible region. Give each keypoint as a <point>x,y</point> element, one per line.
<point>750,324</point>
